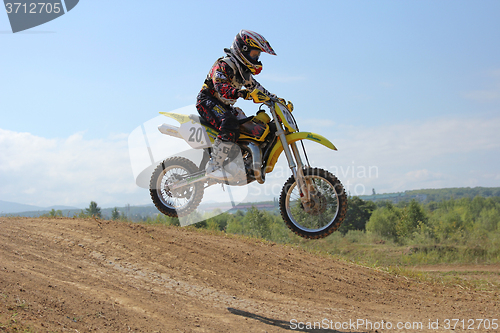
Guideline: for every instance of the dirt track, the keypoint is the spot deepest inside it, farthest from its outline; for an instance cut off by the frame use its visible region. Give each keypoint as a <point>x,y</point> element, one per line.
<point>73,275</point>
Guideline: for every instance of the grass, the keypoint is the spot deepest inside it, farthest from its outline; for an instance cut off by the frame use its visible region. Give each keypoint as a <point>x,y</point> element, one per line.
<point>477,280</point>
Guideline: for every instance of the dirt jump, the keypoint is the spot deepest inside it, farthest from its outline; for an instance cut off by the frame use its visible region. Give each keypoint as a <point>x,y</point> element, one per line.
<point>86,275</point>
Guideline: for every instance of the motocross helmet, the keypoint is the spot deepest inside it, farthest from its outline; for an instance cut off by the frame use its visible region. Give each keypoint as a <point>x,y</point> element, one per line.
<point>247,41</point>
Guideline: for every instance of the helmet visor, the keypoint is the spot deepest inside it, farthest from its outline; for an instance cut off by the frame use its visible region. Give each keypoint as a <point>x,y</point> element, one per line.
<point>254,55</point>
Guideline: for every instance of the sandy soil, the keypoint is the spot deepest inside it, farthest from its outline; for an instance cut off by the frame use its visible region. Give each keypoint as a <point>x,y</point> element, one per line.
<point>74,275</point>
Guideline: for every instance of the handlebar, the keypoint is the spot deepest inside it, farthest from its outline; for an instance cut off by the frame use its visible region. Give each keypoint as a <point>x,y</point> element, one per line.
<point>261,95</point>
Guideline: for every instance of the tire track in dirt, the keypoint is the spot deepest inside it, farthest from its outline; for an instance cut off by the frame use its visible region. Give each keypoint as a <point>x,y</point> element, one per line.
<point>87,275</point>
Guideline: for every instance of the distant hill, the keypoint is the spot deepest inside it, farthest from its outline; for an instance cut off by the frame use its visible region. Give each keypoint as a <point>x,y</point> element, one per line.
<point>428,195</point>
<point>136,213</point>
<point>13,207</point>
<point>7,207</point>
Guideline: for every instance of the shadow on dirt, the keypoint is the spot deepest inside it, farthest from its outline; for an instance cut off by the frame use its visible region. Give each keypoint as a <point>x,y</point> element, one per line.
<point>279,323</point>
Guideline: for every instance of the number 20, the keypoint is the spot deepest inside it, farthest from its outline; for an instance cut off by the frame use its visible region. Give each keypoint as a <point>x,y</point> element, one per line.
<point>196,134</point>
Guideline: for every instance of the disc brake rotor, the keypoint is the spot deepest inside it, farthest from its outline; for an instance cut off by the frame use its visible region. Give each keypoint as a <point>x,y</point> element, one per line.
<point>182,192</point>
<point>317,205</point>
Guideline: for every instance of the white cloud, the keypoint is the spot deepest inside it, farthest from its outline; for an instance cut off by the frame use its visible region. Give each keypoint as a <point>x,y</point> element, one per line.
<point>428,154</point>
<point>422,141</point>
<point>429,178</point>
<point>69,171</point>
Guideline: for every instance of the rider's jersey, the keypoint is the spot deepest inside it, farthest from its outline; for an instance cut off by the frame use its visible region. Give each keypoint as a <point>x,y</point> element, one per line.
<point>224,81</point>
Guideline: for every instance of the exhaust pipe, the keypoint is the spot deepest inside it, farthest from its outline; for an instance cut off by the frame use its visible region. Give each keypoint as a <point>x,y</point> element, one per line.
<point>256,161</point>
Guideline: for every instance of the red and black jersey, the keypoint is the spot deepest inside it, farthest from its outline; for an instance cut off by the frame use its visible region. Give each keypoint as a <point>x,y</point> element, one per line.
<point>223,82</point>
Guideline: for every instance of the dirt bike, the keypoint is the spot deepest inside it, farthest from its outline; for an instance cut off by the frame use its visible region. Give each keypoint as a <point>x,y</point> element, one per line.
<point>312,203</point>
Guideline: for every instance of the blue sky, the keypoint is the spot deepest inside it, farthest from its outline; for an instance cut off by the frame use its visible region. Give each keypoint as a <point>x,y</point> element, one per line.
<point>411,88</point>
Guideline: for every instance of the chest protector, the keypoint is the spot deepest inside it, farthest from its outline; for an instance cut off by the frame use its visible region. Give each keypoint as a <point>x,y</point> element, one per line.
<point>238,81</point>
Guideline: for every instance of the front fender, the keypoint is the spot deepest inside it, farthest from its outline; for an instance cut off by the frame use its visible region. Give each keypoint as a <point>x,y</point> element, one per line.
<point>293,137</point>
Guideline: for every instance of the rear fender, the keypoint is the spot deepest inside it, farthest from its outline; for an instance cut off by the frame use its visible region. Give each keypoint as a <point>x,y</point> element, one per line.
<point>181,118</point>
<point>293,137</point>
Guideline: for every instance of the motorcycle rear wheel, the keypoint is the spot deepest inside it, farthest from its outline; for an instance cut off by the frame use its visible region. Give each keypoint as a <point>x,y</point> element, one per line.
<point>326,210</point>
<point>179,202</point>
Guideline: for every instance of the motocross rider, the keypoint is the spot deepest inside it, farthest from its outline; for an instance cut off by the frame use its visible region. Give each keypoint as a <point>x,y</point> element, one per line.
<point>223,86</point>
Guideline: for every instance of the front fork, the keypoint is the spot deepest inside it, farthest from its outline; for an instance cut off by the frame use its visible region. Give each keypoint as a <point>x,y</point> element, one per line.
<point>305,185</point>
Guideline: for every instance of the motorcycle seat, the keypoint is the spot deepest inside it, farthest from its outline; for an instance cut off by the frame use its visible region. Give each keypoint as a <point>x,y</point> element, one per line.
<point>197,118</point>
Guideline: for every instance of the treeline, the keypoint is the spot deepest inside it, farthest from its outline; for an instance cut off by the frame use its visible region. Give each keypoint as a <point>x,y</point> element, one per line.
<point>92,211</point>
<point>255,223</point>
<point>462,221</point>
<point>127,213</point>
<point>450,220</point>
<point>454,230</point>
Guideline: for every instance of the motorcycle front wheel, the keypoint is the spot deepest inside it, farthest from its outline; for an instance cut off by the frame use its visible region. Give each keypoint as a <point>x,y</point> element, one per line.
<point>181,201</point>
<point>323,213</point>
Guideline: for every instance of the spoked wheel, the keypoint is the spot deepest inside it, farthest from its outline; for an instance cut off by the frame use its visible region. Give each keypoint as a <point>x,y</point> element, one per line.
<point>176,202</point>
<point>323,213</point>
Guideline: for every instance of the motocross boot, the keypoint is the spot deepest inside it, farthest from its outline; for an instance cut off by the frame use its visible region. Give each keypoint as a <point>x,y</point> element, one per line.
<point>214,168</point>
<point>236,168</point>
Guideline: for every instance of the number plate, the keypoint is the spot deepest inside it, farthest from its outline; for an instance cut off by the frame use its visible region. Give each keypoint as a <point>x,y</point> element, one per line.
<point>195,135</point>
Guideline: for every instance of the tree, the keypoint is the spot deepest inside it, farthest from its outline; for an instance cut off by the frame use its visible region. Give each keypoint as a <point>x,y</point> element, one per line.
<point>358,214</point>
<point>410,220</point>
<point>55,213</point>
<point>383,221</point>
<point>93,210</point>
<point>489,219</point>
<point>257,223</point>
<point>115,214</point>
